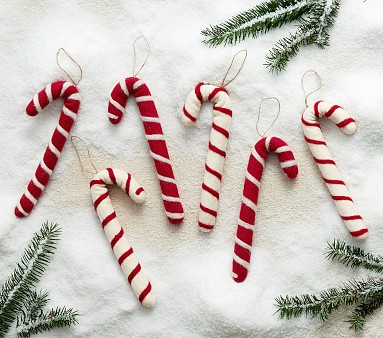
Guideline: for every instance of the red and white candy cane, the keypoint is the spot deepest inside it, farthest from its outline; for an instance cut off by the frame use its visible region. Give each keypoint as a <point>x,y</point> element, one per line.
<point>115,233</point>
<point>71,96</point>
<point>216,153</point>
<point>154,134</point>
<point>327,166</point>
<point>244,237</point>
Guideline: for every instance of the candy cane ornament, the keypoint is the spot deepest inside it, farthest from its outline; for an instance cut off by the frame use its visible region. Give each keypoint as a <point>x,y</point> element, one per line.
<point>216,153</point>
<point>72,98</point>
<point>246,221</point>
<point>326,164</point>
<point>154,134</point>
<point>115,233</point>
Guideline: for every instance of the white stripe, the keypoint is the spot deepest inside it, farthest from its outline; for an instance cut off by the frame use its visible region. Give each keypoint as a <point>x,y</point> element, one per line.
<point>154,137</point>
<point>62,131</point>
<point>48,91</point>
<point>245,224</point>
<point>75,96</point>
<point>267,143</point>
<point>53,149</point>
<point>288,164</point>
<point>65,86</point>
<point>144,98</point>
<point>124,88</point>
<point>282,149</point>
<point>170,198</point>
<point>242,243</point>
<point>258,157</point>
<point>30,197</point>
<point>138,84</point>
<point>240,261</point>
<point>37,103</point>
<point>117,105</point>
<point>20,208</point>
<point>249,203</point>
<point>252,179</point>
<point>69,113</point>
<point>150,119</point>
<point>112,116</point>
<point>166,179</point>
<point>37,183</point>
<point>46,169</point>
<point>159,158</point>
<point>174,215</point>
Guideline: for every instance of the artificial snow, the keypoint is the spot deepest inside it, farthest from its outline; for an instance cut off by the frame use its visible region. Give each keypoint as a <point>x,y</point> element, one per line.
<point>190,271</point>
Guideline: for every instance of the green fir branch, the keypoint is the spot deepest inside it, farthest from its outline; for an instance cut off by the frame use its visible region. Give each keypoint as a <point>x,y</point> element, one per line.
<point>16,290</point>
<point>359,315</point>
<point>353,256</point>
<point>33,306</point>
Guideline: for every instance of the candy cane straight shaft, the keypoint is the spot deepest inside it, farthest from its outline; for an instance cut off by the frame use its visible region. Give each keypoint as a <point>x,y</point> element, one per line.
<point>326,164</point>
<point>68,115</point>
<point>113,230</point>
<point>216,153</point>
<point>244,237</point>
<point>154,134</point>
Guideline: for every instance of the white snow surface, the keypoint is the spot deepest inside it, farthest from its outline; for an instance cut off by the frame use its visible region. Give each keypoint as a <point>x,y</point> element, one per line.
<point>190,271</point>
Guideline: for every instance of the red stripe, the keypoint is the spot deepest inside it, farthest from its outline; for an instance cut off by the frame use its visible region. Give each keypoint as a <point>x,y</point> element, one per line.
<point>332,110</point>
<point>215,92</point>
<point>309,140</point>
<point>333,181</point>
<point>134,273</point>
<point>93,182</point>
<point>221,130</point>
<point>127,186</point>
<point>111,175</point>
<point>107,219</point>
<point>205,226</point>
<point>125,255</point>
<point>145,292</point>
<point>310,124</point>
<point>345,122</point>
<point>192,118</point>
<point>341,198</point>
<point>139,190</point>
<point>207,210</point>
<point>213,172</point>
<point>100,199</point>
<point>210,191</point>
<point>197,91</point>
<point>351,218</point>
<point>316,110</point>
<point>359,232</point>
<point>319,161</point>
<point>223,110</point>
<point>217,150</point>
<point>117,238</point>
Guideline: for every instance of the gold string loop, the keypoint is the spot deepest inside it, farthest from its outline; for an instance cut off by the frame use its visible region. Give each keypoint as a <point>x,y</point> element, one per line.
<point>135,55</point>
<point>259,115</point>
<point>79,157</point>
<point>303,84</point>
<point>73,60</point>
<point>223,84</point>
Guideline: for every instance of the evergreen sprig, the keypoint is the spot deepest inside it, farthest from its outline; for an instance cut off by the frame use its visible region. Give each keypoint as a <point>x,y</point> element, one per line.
<point>315,18</point>
<point>367,295</point>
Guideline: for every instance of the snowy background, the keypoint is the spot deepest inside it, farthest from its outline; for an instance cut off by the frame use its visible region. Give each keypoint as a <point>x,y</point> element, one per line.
<point>190,271</point>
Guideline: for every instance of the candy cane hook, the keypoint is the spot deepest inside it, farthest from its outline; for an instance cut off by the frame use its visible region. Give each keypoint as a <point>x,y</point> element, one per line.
<point>216,153</point>
<point>154,134</point>
<point>113,230</point>
<point>68,115</point>
<point>244,237</point>
<point>327,166</point>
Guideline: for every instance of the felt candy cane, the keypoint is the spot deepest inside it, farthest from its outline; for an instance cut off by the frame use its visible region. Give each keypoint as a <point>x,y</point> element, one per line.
<point>113,230</point>
<point>44,171</point>
<point>244,237</point>
<point>216,153</point>
<point>154,134</point>
<point>326,164</point>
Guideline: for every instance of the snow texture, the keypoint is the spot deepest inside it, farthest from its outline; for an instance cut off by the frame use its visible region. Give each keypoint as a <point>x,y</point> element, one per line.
<point>190,270</point>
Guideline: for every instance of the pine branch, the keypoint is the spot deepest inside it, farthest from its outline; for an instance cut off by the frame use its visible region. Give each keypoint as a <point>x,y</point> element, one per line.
<point>256,21</point>
<point>353,256</point>
<point>358,317</point>
<point>16,290</point>
<point>59,317</point>
<point>33,306</point>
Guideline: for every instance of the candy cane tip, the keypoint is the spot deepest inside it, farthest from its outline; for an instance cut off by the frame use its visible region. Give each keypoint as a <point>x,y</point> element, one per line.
<point>186,121</point>
<point>149,301</point>
<point>292,172</point>
<point>19,214</point>
<point>176,221</point>
<point>360,234</point>
<point>140,197</point>
<point>349,129</point>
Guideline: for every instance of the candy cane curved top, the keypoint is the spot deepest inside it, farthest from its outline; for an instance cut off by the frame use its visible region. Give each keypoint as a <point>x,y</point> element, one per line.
<point>68,115</point>
<point>154,134</point>
<point>115,233</point>
<point>327,166</point>
<point>246,221</point>
<point>216,153</point>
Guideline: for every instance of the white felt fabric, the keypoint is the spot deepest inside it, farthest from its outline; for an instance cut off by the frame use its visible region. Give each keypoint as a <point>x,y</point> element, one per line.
<point>190,270</point>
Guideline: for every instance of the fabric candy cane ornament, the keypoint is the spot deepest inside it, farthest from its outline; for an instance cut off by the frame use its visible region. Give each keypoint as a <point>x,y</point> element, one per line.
<point>326,164</point>
<point>244,237</point>
<point>71,96</point>
<point>113,230</point>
